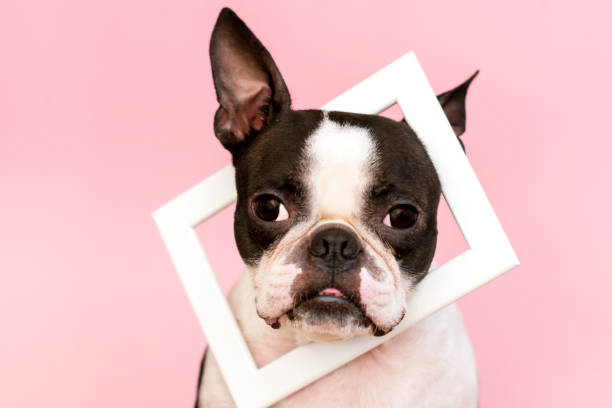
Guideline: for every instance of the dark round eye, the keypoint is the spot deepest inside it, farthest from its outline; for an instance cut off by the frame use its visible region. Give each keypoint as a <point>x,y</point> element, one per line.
<point>269,208</point>
<point>403,216</point>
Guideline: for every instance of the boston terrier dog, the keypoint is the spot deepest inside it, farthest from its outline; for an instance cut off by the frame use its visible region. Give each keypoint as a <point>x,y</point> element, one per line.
<point>336,223</point>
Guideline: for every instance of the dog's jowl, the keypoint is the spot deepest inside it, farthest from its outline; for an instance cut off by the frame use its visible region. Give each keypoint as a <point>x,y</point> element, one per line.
<point>336,223</point>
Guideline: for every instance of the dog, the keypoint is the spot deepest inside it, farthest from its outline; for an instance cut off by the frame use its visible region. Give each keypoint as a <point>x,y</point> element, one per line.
<point>335,221</point>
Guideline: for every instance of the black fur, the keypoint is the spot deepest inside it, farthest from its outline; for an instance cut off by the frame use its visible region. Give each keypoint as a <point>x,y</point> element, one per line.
<point>200,377</point>
<point>453,103</point>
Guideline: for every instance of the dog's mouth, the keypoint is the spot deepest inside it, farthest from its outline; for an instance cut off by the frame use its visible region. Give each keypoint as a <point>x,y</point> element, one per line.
<point>328,306</point>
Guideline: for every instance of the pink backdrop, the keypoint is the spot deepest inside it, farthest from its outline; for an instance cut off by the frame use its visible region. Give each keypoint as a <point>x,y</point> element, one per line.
<point>106,113</point>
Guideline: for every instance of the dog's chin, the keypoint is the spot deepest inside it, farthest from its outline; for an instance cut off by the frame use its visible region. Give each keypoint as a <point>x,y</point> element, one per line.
<point>329,332</point>
<point>328,318</point>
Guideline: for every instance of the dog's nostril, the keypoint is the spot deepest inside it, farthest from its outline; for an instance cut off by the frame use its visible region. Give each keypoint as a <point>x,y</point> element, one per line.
<point>349,249</point>
<point>319,247</point>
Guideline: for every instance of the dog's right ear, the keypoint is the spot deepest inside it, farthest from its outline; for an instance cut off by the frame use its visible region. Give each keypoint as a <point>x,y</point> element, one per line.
<point>250,89</point>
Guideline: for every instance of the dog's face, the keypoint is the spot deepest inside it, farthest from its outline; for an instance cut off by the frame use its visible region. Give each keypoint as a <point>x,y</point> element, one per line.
<point>336,212</point>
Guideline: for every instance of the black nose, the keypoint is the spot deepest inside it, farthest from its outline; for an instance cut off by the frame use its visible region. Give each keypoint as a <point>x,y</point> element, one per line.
<point>336,246</point>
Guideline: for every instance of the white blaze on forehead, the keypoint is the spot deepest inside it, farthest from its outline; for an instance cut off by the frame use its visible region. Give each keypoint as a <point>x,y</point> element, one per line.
<point>339,163</point>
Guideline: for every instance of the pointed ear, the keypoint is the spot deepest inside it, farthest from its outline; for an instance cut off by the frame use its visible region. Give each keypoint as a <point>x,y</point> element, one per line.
<point>453,104</point>
<point>250,89</point>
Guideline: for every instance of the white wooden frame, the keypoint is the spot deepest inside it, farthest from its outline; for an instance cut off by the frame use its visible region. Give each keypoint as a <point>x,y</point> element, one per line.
<point>489,255</point>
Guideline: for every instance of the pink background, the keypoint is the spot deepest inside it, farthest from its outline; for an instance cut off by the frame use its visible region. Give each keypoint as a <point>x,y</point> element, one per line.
<point>106,113</point>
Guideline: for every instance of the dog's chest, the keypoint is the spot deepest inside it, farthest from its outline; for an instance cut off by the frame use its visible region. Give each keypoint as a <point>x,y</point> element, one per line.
<point>373,380</point>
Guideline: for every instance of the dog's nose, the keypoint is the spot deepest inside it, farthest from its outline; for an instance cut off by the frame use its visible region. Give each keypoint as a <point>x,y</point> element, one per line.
<point>336,246</point>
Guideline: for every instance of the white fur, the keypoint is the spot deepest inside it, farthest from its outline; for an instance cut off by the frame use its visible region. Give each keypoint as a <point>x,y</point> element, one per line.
<point>274,290</point>
<point>383,302</point>
<point>340,159</point>
<point>274,274</point>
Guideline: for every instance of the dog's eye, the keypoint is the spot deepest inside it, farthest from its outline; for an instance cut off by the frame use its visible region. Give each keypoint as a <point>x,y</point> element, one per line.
<point>403,216</point>
<point>269,208</point>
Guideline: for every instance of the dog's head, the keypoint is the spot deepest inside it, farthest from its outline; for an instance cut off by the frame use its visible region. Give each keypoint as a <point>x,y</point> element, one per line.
<point>336,212</point>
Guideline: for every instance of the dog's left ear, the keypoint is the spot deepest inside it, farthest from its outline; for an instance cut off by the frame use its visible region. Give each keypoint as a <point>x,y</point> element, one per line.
<point>453,104</point>
<point>250,88</point>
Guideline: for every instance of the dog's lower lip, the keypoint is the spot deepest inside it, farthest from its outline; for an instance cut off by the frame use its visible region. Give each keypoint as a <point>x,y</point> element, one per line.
<point>330,298</point>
